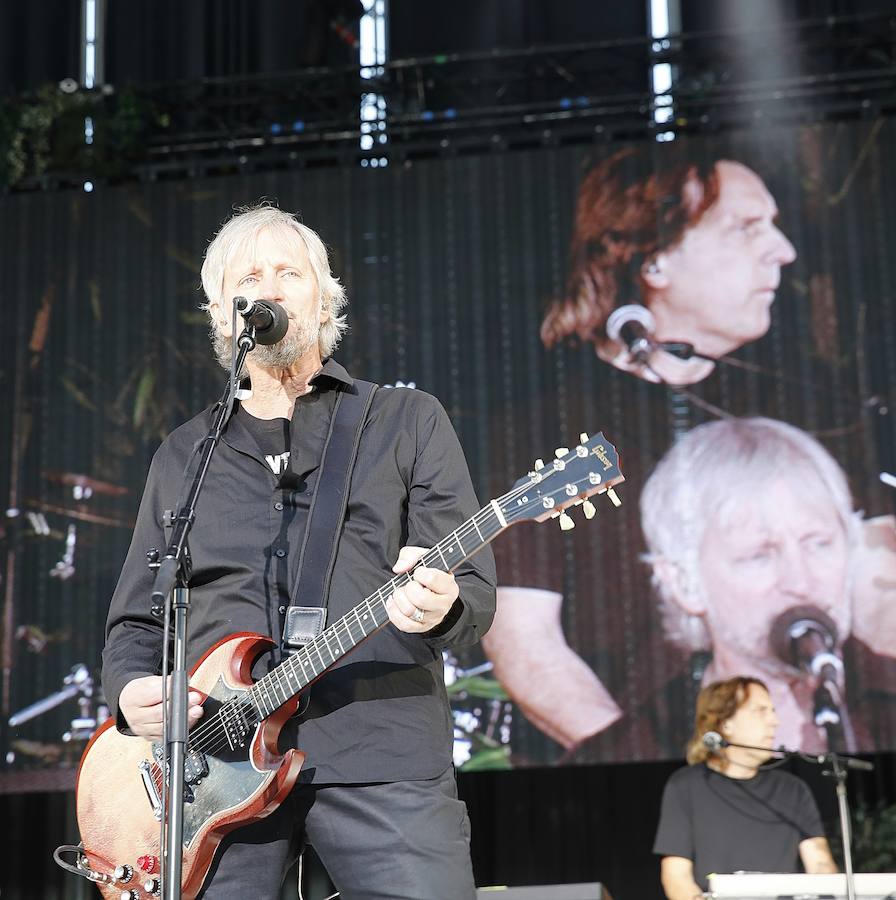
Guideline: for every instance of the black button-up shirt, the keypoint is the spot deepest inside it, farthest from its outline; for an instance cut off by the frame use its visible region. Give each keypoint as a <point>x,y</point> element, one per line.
<point>381,714</point>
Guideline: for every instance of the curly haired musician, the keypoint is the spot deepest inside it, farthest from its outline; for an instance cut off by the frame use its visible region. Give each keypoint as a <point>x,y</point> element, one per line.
<point>377,796</point>
<point>723,813</point>
<point>696,244</point>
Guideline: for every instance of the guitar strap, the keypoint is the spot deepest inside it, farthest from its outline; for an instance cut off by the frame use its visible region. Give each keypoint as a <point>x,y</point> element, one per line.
<point>307,612</point>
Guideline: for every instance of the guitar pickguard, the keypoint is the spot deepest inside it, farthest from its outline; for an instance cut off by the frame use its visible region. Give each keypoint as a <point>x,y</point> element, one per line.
<point>232,776</point>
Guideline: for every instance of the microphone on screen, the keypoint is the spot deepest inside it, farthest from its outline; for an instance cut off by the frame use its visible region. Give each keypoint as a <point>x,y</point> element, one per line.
<point>633,326</point>
<point>712,740</point>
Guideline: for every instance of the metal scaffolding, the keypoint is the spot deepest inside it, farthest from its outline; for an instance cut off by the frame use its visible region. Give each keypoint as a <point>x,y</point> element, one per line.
<point>839,67</point>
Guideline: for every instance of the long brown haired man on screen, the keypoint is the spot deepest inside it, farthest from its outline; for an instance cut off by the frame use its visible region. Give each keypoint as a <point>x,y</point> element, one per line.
<point>695,246</point>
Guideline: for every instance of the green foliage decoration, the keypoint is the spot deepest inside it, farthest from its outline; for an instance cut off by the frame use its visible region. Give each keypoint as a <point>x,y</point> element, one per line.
<point>42,134</point>
<point>874,839</point>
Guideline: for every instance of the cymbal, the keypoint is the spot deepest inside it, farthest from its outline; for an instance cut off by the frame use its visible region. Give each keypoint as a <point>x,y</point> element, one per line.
<point>74,479</point>
<point>79,513</point>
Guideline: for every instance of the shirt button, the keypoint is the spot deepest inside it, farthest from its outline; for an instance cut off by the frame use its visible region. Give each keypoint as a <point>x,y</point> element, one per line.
<point>278,506</point>
<point>280,553</point>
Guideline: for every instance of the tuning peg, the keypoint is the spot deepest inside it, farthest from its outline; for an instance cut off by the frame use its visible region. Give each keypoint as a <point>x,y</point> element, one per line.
<point>560,452</point>
<point>614,497</point>
<point>589,509</point>
<point>566,523</point>
<point>583,438</point>
<point>539,464</point>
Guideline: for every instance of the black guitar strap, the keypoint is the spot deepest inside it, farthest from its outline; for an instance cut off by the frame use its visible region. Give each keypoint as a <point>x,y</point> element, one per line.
<point>306,614</point>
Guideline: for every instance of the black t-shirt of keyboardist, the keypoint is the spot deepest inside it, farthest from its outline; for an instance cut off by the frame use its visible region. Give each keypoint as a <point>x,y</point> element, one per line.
<point>725,825</point>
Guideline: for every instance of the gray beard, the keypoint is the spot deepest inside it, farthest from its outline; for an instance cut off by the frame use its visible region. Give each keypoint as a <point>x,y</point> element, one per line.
<point>300,340</point>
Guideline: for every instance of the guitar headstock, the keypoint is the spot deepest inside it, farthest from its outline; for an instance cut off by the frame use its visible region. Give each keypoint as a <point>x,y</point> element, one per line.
<point>590,468</point>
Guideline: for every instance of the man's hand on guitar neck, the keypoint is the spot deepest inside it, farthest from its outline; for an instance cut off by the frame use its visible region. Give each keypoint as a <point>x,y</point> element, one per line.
<point>422,604</point>
<point>140,702</point>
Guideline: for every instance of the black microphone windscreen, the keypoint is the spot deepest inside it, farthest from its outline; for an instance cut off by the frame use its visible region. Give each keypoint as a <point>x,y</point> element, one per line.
<point>276,328</point>
<point>790,629</point>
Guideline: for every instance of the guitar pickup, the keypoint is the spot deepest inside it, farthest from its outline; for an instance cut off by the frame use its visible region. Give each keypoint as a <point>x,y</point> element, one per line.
<point>159,753</point>
<point>195,767</point>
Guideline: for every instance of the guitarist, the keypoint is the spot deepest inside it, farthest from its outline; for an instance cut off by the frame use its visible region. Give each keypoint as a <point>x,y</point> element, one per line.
<point>377,797</point>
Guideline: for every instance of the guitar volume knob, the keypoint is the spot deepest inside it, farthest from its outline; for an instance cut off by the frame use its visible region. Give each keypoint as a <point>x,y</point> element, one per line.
<point>152,886</point>
<point>129,895</point>
<point>123,874</point>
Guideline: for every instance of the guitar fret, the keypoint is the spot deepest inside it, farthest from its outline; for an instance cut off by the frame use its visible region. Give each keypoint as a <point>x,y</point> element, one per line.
<point>460,543</point>
<point>366,615</point>
<point>279,683</point>
<point>313,645</point>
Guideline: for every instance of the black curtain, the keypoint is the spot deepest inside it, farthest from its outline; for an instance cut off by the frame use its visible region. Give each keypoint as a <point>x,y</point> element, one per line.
<point>170,40</point>
<point>39,44</point>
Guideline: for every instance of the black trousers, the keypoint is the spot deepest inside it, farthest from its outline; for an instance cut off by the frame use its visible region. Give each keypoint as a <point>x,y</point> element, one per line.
<point>406,840</point>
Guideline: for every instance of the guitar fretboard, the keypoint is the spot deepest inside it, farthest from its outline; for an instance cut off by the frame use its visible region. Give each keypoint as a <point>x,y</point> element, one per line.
<point>590,468</point>
<point>302,668</point>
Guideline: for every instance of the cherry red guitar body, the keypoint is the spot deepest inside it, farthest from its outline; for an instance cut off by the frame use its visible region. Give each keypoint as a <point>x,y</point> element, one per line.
<point>119,782</point>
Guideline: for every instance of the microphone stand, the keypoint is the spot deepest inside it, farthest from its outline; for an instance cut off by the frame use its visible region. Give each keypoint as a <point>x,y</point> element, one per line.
<point>831,713</point>
<point>839,772</point>
<point>173,578</point>
<point>840,766</point>
<point>685,351</point>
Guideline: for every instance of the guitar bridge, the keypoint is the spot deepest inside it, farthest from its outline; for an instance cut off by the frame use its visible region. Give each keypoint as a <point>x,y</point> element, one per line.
<point>151,788</point>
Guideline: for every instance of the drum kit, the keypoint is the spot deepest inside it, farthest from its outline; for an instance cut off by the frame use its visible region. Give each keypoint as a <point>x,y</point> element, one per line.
<point>482,714</point>
<point>65,512</point>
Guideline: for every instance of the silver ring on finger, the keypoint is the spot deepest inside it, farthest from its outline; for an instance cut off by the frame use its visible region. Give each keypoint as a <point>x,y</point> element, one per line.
<point>418,614</point>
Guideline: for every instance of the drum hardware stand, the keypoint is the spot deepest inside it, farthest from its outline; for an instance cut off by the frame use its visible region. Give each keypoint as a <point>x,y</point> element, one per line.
<point>65,568</point>
<point>78,682</point>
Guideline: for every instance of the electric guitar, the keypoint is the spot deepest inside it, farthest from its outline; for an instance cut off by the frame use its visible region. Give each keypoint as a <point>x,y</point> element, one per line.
<point>234,774</point>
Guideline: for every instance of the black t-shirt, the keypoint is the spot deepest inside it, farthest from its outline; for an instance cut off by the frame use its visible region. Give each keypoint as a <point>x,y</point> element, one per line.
<point>272,436</point>
<point>726,825</point>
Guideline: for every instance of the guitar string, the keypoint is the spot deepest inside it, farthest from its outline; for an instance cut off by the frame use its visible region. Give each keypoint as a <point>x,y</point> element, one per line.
<point>246,703</point>
<point>216,727</point>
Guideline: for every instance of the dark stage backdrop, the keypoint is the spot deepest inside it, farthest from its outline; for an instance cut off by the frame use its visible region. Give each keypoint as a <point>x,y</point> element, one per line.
<point>449,265</point>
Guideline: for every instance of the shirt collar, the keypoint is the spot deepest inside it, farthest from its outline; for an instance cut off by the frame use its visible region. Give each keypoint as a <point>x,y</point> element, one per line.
<point>333,372</point>
<point>330,374</point>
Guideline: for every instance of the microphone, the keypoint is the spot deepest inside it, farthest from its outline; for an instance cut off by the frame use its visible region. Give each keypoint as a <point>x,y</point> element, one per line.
<point>633,326</point>
<point>806,637</point>
<point>712,740</point>
<point>268,319</point>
